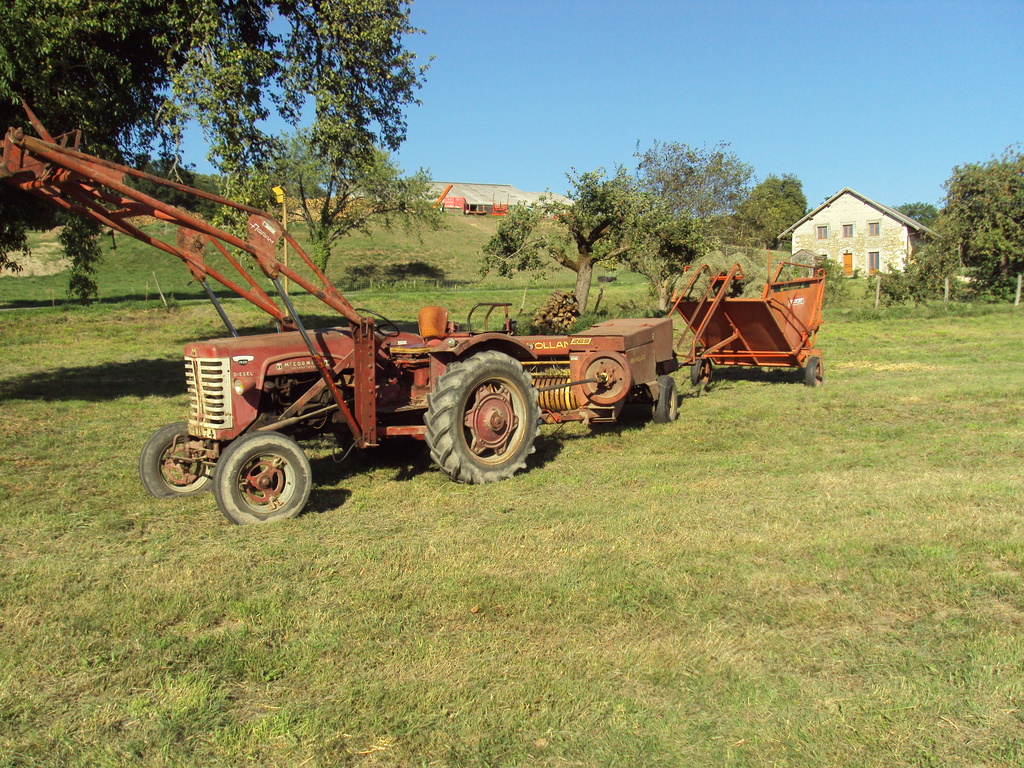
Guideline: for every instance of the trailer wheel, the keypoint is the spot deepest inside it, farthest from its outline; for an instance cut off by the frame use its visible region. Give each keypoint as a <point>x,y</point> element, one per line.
<point>700,372</point>
<point>666,408</point>
<point>812,371</point>
<point>261,477</point>
<point>482,418</point>
<point>166,470</point>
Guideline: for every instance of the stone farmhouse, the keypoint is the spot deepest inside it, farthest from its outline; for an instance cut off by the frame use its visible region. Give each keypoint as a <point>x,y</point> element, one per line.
<point>862,235</point>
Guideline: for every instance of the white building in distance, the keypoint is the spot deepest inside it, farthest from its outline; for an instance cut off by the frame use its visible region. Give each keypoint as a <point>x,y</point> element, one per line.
<point>486,199</point>
<point>855,231</point>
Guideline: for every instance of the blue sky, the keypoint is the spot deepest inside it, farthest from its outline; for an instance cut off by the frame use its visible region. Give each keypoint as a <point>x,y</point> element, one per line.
<point>883,97</point>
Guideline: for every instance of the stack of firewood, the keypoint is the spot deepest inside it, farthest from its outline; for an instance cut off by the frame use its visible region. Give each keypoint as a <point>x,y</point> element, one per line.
<point>558,313</point>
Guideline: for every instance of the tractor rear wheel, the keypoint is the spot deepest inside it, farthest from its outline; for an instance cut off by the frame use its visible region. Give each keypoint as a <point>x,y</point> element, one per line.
<point>666,408</point>
<point>165,468</point>
<point>482,418</point>
<point>262,477</point>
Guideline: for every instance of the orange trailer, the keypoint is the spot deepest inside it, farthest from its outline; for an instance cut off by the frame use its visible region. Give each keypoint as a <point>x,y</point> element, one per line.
<point>779,329</point>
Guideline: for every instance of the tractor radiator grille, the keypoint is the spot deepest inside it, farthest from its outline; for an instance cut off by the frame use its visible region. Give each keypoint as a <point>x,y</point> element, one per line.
<point>209,394</point>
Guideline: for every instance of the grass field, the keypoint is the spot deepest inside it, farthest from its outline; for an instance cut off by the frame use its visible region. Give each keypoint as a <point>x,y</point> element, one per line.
<point>132,271</point>
<point>783,577</point>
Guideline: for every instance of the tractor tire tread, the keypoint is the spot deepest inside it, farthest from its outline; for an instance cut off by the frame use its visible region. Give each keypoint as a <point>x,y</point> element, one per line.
<point>445,412</point>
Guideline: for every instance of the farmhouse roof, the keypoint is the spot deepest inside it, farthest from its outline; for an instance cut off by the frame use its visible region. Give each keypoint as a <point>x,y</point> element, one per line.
<point>902,218</point>
<point>484,194</point>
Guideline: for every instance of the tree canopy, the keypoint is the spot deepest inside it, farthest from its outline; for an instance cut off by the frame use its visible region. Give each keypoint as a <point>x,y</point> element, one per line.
<point>923,213</point>
<point>708,183</point>
<point>577,235</point>
<point>129,72</point>
<point>979,235</point>
<point>983,220</point>
<point>356,194</point>
<point>611,220</point>
<point>661,244</point>
<point>773,205</point>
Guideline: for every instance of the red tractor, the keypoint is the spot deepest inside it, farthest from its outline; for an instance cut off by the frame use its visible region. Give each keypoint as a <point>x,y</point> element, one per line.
<point>476,394</point>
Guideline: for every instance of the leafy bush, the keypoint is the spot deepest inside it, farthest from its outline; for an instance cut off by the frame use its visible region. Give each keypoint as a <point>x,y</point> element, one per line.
<point>924,279</point>
<point>837,284</point>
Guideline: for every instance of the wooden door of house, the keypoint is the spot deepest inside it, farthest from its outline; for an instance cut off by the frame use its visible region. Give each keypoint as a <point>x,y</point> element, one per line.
<point>848,264</point>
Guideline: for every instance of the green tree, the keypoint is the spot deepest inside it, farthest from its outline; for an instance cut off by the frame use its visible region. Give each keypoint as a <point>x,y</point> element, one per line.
<point>709,183</point>
<point>167,166</point>
<point>577,235</point>
<point>100,67</point>
<point>983,221</point>
<point>360,193</point>
<point>610,220</point>
<point>80,240</point>
<point>128,71</point>
<point>773,205</point>
<point>661,243</point>
<point>923,213</point>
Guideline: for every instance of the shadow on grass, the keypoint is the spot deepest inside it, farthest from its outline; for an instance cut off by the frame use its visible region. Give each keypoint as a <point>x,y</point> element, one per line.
<point>401,459</point>
<point>723,376</point>
<point>549,444</point>
<point>109,381</point>
<point>367,273</point>
<point>151,299</point>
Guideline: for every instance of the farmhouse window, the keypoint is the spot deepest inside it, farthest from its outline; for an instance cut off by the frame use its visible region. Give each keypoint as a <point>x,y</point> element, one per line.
<point>872,262</point>
<point>874,229</point>
<point>823,233</point>
<point>847,230</point>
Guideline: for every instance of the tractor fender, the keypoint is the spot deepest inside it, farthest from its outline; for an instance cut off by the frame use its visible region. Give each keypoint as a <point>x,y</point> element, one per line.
<point>500,342</point>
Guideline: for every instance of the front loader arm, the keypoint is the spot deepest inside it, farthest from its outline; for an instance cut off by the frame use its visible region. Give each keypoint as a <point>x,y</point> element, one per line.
<point>90,186</point>
<point>95,188</point>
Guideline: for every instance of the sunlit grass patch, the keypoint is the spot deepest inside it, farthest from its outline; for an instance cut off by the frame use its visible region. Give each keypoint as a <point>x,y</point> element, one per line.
<point>784,576</point>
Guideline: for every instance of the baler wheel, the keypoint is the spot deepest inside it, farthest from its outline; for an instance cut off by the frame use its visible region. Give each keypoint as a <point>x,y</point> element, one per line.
<point>482,418</point>
<point>164,468</point>
<point>812,371</point>
<point>262,477</point>
<point>666,408</point>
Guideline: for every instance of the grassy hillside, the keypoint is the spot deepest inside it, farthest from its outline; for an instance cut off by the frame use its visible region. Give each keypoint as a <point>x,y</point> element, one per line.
<point>132,271</point>
<point>784,576</point>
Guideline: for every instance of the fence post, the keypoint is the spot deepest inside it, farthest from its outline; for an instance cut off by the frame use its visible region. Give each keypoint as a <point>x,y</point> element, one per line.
<point>945,295</point>
<point>878,290</point>
<point>1020,277</point>
<point>159,290</point>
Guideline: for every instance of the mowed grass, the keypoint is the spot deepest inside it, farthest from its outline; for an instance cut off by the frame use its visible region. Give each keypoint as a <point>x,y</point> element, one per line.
<point>784,576</point>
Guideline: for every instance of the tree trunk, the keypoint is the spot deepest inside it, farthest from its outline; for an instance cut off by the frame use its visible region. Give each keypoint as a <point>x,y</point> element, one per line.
<point>320,243</point>
<point>663,292</point>
<point>584,274</point>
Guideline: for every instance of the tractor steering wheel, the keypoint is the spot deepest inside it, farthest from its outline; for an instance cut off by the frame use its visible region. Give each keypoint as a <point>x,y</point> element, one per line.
<point>386,328</point>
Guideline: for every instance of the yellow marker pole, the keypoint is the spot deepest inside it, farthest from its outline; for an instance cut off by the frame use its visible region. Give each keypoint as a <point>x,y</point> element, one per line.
<point>279,192</point>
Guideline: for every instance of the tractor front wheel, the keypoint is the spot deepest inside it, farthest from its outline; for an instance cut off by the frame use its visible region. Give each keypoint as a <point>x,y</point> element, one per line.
<point>482,418</point>
<point>262,477</point>
<point>166,469</point>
